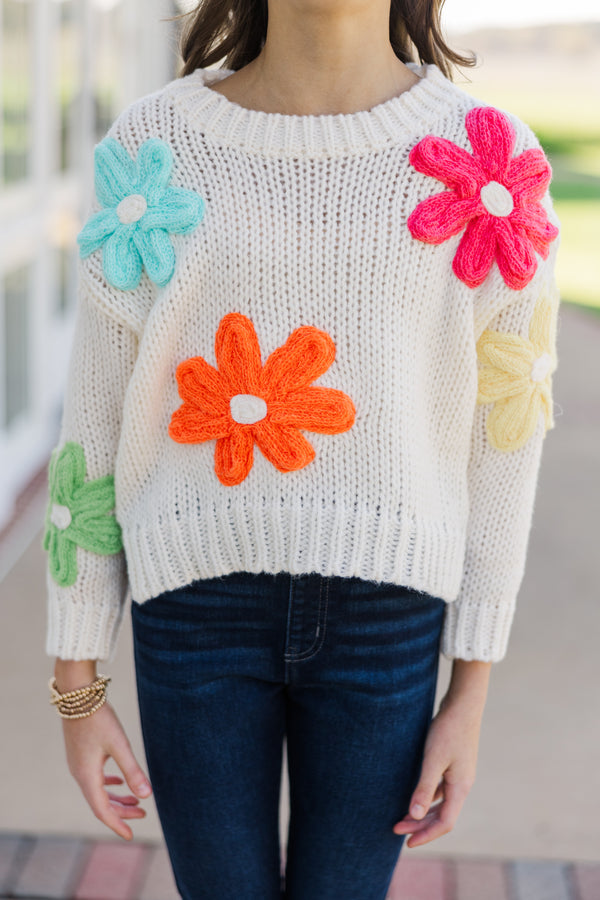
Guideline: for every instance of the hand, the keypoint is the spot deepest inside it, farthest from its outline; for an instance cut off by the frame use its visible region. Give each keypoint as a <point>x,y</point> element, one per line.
<point>447,772</point>
<point>89,742</point>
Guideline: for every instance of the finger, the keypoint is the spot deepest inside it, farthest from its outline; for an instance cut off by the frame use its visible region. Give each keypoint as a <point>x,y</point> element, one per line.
<point>104,810</point>
<point>127,812</point>
<point>97,798</point>
<point>128,800</point>
<point>455,796</point>
<point>434,830</point>
<point>439,793</point>
<point>123,756</point>
<point>112,779</point>
<point>408,825</point>
<point>106,813</point>
<point>429,783</point>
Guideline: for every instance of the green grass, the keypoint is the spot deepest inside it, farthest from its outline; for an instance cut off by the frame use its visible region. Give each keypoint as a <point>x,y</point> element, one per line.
<point>568,114</point>
<point>578,265</point>
<point>575,189</point>
<point>576,192</point>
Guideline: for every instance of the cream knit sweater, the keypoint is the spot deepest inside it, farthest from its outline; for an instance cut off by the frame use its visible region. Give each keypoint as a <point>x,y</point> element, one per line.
<point>306,344</point>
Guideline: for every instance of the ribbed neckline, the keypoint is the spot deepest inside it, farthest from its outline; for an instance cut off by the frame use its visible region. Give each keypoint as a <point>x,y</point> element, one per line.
<point>277,134</point>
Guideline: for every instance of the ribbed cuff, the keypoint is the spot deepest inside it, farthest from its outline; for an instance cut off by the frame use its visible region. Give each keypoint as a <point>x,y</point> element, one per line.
<point>476,630</point>
<point>84,624</point>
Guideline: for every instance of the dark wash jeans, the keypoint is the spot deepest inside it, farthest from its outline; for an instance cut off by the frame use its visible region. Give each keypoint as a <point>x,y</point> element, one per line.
<point>345,669</point>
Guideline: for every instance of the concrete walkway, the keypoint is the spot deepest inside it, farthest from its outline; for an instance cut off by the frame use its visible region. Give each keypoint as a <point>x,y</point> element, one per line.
<point>538,780</point>
<point>72,868</point>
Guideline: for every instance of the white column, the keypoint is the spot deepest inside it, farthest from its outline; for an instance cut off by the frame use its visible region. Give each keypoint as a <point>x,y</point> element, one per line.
<point>151,46</point>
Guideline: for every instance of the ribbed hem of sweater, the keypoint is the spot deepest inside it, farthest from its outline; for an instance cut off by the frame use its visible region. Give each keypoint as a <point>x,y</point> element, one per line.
<point>172,551</point>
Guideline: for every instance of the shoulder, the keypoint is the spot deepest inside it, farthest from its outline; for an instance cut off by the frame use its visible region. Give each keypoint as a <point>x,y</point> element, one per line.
<point>498,200</point>
<point>462,116</point>
<point>140,204</point>
<point>147,115</point>
<point>146,142</point>
<point>153,115</point>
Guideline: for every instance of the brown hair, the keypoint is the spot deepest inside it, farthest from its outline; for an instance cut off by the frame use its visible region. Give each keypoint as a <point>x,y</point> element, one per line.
<point>235,31</point>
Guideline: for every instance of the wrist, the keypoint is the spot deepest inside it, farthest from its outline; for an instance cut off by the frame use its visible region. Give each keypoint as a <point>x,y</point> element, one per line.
<point>469,681</point>
<point>71,674</point>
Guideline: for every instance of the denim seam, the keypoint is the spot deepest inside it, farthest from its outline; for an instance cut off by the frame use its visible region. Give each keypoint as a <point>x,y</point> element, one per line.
<point>291,655</point>
<point>318,641</point>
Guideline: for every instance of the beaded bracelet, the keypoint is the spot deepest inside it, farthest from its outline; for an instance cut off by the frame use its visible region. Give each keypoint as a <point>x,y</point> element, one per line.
<point>81,702</point>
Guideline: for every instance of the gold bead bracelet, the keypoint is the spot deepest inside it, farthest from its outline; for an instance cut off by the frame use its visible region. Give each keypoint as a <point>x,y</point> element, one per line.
<point>80,702</point>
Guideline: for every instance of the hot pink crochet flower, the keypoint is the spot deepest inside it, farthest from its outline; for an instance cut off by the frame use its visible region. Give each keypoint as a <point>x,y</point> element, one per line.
<point>497,196</point>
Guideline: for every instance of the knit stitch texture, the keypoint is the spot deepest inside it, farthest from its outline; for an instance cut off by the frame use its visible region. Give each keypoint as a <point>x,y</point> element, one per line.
<point>293,353</point>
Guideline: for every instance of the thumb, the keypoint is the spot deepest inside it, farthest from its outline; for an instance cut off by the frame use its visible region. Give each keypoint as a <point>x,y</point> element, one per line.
<point>127,763</point>
<point>424,793</point>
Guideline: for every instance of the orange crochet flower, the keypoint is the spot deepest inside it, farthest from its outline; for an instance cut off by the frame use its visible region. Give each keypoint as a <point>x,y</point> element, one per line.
<point>242,402</point>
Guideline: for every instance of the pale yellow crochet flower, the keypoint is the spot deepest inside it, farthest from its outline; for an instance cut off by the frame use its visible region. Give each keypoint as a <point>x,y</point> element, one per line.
<point>516,376</point>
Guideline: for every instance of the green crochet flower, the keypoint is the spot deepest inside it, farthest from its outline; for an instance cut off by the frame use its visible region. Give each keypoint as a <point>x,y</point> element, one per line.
<point>78,513</point>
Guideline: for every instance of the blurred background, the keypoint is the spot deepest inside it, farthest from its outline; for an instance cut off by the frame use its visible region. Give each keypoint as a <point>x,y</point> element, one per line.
<point>68,67</point>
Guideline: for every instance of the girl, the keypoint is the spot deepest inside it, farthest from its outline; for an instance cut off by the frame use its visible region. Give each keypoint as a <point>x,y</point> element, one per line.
<point>307,397</point>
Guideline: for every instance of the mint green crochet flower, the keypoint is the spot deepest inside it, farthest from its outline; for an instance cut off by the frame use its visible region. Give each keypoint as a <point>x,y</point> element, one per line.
<point>140,211</point>
<point>78,513</point>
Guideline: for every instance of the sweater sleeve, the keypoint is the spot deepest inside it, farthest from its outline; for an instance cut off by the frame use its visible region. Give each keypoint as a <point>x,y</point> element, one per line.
<point>86,571</point>
<point>516,356</point>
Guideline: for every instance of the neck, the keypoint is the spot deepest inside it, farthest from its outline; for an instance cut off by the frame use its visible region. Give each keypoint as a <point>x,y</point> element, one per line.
<point>318,60</point>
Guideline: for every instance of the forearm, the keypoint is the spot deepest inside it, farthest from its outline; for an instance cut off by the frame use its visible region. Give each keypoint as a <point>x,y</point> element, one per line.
<point>71,674</point>
<point>86,568</point>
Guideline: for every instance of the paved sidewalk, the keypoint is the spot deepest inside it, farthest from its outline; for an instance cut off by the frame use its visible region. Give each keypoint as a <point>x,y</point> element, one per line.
<point>61,867</point>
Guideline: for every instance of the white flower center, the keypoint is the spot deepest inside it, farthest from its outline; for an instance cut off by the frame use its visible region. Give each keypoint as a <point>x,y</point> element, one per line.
<point>60,516</point>
<point>247,408</point>
<point>497,199</point>
<point>131,208</point>
<point>541,367</point>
